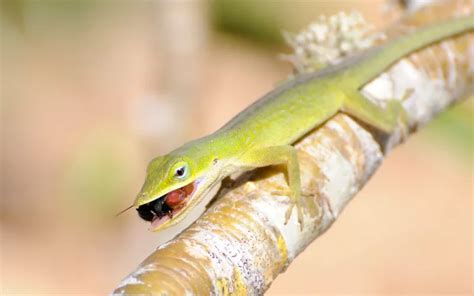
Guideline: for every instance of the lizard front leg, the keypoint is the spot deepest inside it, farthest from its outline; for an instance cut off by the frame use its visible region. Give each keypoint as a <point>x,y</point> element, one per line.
<point>285,154</point>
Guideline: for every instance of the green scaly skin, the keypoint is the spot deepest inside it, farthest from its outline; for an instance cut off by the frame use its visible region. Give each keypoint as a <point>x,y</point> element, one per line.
<point>263,134</point>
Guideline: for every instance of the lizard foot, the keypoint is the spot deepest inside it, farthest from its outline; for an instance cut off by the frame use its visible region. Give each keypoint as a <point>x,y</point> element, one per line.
<point>295,202</point>
<point>400,115</point>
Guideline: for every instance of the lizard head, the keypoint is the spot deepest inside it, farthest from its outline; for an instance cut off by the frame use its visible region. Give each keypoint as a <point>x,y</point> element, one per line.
<point>174,184</point>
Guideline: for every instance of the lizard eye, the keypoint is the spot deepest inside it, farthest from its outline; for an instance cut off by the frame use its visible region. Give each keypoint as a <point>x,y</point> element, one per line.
<point>181,172</point>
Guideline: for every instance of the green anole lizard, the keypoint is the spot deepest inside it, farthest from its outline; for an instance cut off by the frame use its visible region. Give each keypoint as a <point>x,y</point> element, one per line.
<point>263,134</point>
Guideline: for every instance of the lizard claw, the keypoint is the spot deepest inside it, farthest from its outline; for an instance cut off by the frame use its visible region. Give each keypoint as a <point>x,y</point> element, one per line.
<point>295,202</point>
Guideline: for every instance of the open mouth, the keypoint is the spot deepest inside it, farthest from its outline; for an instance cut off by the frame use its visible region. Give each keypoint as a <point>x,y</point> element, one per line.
<point>164,208</point>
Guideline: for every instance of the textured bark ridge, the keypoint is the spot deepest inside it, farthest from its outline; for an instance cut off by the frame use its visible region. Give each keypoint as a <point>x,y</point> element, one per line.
<point>241,243</point>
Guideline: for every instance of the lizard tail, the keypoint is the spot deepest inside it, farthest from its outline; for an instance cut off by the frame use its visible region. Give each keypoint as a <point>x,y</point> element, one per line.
<point>386,55</point>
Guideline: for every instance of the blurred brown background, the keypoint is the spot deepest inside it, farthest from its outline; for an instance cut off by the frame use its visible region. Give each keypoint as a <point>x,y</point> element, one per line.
<point>92,90</point>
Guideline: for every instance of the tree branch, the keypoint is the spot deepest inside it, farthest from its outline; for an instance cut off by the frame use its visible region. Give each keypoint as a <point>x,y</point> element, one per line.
<point>241,243</point>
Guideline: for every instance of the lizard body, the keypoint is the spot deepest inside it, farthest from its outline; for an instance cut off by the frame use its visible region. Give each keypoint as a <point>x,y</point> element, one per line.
<point>264,132</point>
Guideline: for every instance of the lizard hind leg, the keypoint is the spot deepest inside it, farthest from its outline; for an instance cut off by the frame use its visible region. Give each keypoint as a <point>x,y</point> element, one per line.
<point>285,154</point>
<point>384,119</point>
